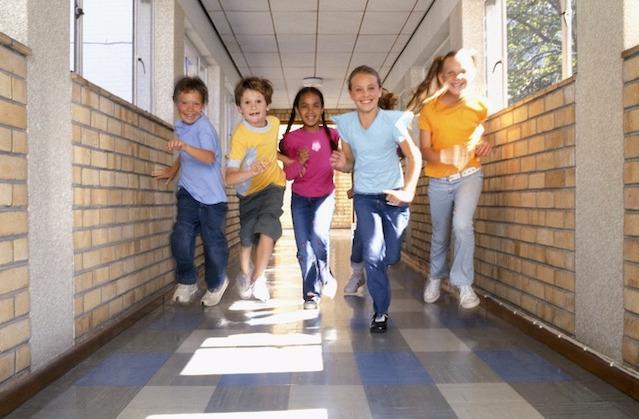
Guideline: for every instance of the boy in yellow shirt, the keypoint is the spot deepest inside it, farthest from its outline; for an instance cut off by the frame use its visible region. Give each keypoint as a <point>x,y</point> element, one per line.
<point>259,181</point>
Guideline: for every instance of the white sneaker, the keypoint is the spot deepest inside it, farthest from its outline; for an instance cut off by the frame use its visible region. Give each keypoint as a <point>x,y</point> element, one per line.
<point>432,290</point>
<point>184,293</point>
<point>243,284</point>
<point>330,288</point>
<point>467,297</point>
<point>212,298</point>
<point>356,280</point>
<point>260,289</point>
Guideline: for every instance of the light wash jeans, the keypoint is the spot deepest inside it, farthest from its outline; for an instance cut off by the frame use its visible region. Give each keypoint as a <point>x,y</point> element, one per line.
<point>311,224</point>
<point>453,202</point>
<point>380,228</point>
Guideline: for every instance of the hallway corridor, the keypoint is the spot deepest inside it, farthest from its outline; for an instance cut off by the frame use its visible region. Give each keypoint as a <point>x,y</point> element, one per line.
<point>249,360</point>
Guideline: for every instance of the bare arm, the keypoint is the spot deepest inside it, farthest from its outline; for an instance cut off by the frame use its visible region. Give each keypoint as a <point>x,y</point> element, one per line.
<point>425,146</point>
<point>167,173</point>
<point>413,167</point>
<point>234,175</point>
<point>205,156</point>
<point>343,160</point>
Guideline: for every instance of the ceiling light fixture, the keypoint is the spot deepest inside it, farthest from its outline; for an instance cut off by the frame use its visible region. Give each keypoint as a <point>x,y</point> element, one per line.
<point>312,81</point>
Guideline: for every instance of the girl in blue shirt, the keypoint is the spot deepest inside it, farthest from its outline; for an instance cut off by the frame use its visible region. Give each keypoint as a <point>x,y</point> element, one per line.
<point>370,137</point>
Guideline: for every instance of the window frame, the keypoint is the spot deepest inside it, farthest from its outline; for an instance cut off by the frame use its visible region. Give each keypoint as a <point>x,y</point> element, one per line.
<point>496,62</point>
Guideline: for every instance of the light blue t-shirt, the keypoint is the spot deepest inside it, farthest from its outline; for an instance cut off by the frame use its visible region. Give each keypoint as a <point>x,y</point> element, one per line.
<point>203,181</point>
<point>377,165</point>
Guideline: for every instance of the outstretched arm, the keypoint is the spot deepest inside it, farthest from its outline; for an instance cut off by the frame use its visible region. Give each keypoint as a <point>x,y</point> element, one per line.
<point>167,173</point>
<point>205,156</point>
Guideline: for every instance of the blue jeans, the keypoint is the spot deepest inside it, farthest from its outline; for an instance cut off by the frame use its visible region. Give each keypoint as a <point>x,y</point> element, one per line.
<point>210,221</point>
<point>453,202</point>
<point>380,228</point>
<point>311,224</point>
<point>356,247</point>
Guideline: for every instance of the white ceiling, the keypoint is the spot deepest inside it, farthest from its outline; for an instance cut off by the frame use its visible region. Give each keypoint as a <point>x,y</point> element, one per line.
<point>288,40</point>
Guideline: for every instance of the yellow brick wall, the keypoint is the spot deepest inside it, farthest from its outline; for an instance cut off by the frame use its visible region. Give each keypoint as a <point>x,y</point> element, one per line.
<point>631,204</point>
<point>525,222</point>
<point>15,328</point>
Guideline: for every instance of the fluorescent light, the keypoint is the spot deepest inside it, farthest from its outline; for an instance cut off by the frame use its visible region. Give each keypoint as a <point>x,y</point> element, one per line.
<point>312,81</point>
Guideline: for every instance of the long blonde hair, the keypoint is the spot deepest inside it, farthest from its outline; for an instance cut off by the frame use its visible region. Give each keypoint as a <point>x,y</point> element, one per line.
<point>431,86</point>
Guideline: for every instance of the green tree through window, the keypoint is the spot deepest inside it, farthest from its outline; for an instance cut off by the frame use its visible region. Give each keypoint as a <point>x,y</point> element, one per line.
<point>534,33</point>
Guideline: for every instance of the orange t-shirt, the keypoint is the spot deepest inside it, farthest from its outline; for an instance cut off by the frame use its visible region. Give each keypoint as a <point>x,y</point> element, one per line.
<point>450,126</point>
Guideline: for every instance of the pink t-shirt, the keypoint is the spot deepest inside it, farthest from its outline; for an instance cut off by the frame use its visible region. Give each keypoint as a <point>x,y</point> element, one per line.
<point>315,179</point>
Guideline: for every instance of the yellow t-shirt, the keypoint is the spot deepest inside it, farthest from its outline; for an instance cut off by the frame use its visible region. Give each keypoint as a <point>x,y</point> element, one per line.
<point>261,144</point>
<point>450,126</point>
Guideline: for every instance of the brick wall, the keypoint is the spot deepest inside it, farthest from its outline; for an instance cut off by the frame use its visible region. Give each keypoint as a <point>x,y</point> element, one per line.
<point>15,329</point>
<point>525,221</point>
<point>122,217</point>
<point>631,204</point>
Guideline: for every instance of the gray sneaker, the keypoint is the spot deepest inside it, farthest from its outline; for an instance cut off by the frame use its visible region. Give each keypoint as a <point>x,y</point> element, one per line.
<point>467,297</point>
<point>213,298</point>
<point>184,293</point>
<point>244,286</point>
<point>354,283</point>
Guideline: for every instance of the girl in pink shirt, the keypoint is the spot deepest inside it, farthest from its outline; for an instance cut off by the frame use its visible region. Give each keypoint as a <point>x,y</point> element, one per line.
<point>313,199</point>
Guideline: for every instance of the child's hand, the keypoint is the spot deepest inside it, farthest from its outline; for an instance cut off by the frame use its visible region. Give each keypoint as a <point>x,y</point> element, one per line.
<point>338,160</point>
<point>167,174</point>
<point>349,193</point>
<point>302,156</point>
<point>258,167</point>
<point>457,156</point>
<point>483,148</point>
<point>400,196</point>
<point>176,145</point>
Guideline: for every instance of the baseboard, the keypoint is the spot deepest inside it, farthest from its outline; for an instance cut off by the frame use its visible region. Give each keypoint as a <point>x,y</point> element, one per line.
<point>24,389</point>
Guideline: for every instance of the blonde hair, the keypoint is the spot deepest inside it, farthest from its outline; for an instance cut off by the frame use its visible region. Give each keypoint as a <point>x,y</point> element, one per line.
<point>431,86</point>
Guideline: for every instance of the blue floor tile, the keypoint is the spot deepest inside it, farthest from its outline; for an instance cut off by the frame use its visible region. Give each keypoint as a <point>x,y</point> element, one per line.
<point>177,321</point>
<point>255,379</point>
<point>391,368</point>
<point>522,366</point>
<point>125,369</point>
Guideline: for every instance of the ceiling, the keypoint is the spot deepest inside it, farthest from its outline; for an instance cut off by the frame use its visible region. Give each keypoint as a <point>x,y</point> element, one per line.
<point>286,41</point>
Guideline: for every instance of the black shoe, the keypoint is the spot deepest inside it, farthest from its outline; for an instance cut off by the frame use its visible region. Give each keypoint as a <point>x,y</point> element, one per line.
<point>379,323</point>
<point>311,303</point>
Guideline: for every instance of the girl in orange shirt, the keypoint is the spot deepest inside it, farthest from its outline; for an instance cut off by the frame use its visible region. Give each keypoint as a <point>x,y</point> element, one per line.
<point>451,145</point>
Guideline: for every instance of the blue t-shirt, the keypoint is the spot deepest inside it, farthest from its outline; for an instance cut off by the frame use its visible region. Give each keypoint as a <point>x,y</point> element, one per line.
<point>377,165</point>
<point>203,181</point>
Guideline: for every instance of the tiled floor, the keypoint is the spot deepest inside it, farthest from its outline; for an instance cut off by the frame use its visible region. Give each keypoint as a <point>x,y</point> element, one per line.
<point>251,360</point>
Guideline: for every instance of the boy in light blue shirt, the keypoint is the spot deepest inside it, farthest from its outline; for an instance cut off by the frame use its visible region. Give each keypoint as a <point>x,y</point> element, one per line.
<point>201,199</point>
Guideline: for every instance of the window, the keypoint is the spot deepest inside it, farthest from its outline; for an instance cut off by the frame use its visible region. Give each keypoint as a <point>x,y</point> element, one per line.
<point>111,51</point>
<point>530,44</point>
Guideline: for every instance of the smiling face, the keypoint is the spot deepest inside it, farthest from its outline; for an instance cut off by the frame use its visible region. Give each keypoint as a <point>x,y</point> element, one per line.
<point>253,108</point>
<point>365,92</point>
<point>310,109</point>
<point>189,106</point>
<point>455,74</point>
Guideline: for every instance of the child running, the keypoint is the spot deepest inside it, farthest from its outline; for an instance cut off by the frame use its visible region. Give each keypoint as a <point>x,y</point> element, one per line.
<point>387,101</point>
<point>313,199</point>
<point>451,144</point>
<point>370,137</point>
<point>201,199</point>
<point>259,181</point>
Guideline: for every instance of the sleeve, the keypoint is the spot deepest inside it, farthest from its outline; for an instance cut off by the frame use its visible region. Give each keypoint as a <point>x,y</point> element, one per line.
<point>424,122</point>
<point>482,108</point>
<point>293,170</point>
<point>401,123</point>
<point>237,151</point>
<point>340,123</point>
<point>334,136</point>
<point>207,137</point>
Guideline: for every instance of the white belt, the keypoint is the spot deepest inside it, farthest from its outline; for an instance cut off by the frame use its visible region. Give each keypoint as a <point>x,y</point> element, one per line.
<point>466,172</point>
